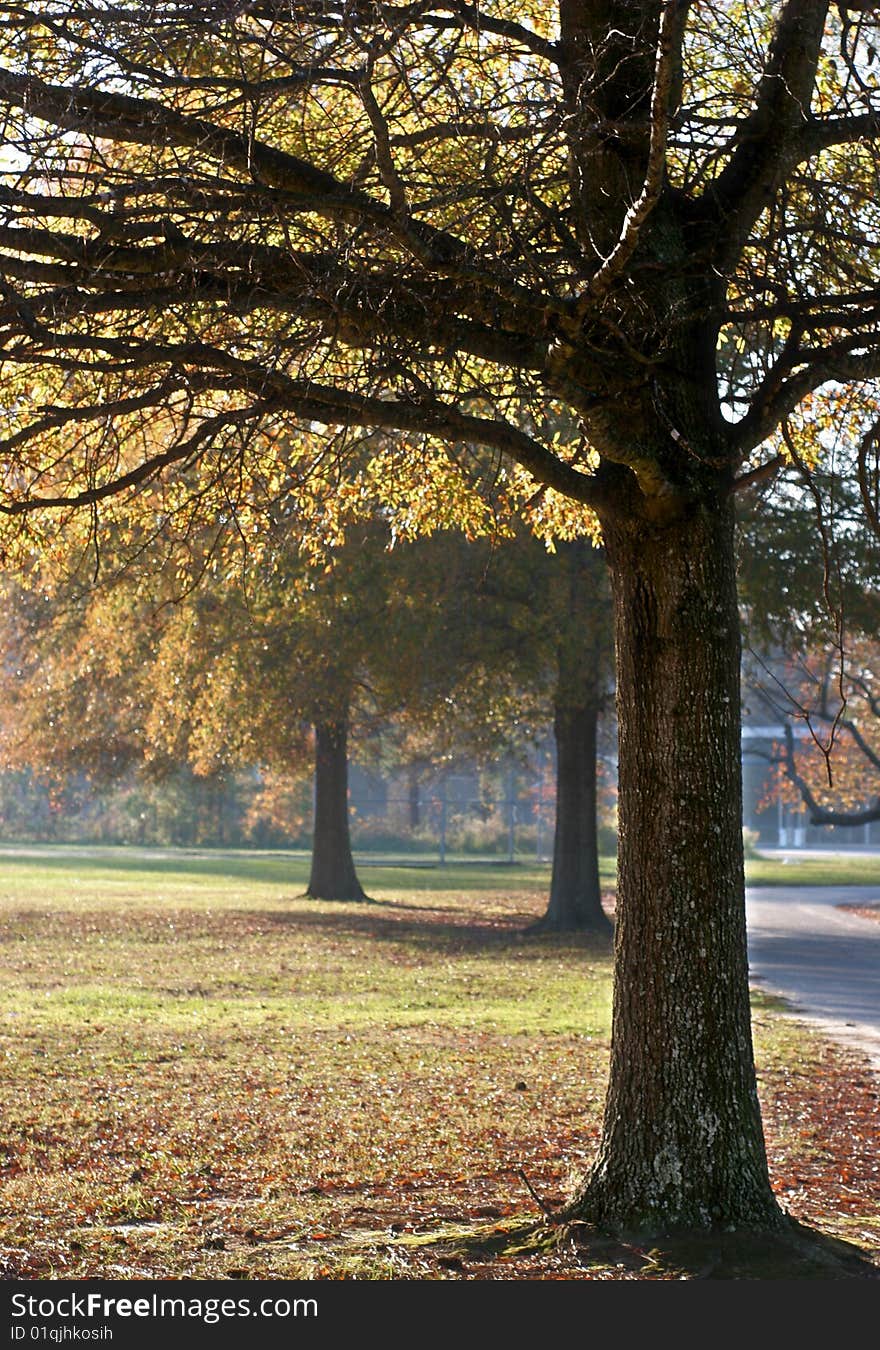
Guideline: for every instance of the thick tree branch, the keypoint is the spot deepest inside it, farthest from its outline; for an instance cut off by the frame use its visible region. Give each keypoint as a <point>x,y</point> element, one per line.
<point>845,309</point>
<point>824,133</point>
<point>124,119</point>
<point>671,35</point>
<point>148,470</point>
<point>331,406</point>
<point>764,144</point>
<point>355,320</point>
<point>471,16</point>
<point>778,396</point>
<point>762,474</point>
<point>54,417</point>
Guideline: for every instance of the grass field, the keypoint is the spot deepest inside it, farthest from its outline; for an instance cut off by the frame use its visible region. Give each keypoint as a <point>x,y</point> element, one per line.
<point>207,1075</point>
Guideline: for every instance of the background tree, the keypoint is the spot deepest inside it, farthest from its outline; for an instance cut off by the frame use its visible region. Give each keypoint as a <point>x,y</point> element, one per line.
<point>262,666</point>
<point>577,621</point>
<point>262,671</point>
<point>465,225</point>
<point>522,638</point>
<point>828,758</point>
<point>810,585</point>
<point>71,691</point>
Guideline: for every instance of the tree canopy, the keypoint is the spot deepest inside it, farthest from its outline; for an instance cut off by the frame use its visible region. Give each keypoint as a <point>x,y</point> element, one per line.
<point>441,220</point>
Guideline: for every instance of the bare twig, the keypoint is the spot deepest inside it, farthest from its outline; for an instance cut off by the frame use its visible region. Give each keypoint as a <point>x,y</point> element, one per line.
<point>542,1204</point>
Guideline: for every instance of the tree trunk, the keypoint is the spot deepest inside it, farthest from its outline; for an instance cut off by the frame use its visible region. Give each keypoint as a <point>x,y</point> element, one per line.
<point>583,613</point>
<point>682,1144</point>
<point>413,802</point>
<point>575,904</point>
<point>333,876</point>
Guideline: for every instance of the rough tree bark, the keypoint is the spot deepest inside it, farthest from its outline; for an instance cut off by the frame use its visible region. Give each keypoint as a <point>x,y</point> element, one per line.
<point>333,875</point>
<point>682,1143</point>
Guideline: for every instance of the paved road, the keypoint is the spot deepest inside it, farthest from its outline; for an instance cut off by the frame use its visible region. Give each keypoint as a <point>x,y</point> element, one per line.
<point>825,961</point>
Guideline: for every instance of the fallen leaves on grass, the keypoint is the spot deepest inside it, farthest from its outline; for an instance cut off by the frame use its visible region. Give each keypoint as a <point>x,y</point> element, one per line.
<point>242,1086</point>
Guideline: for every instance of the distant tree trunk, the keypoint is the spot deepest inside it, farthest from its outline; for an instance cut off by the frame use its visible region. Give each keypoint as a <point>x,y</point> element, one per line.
<point>219,806</point>
<point>333,875</point>
<point>575,904</point>
<point>682,1145</point>
<point>575,896</point>
<point>415,813</point>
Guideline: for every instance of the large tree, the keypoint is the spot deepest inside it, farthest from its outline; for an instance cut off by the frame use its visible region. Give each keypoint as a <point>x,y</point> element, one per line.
<point>219,665</point>
<point>474,224</point>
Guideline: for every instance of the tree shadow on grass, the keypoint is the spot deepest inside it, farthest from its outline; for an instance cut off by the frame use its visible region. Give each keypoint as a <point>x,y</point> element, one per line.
<point>433,928</point>
<point>794,1253</point>
<point>446,930</point>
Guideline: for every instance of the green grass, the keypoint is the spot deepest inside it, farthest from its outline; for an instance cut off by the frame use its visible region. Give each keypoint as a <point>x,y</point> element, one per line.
<point>281,872</point>
<point>839,869</point>
<point>207,1074</point>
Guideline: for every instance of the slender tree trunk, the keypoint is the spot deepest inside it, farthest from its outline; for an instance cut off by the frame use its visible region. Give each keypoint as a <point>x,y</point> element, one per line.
<point>333,875</point>
<point>575,896</point>
<point>682,1144</point>
<point>415,813</point>
<point>583,613</point>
